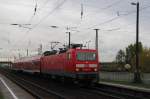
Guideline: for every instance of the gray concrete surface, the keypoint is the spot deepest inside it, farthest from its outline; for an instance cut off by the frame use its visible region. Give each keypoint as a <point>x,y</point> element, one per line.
<point>127,86</point>
<point>18,92</point>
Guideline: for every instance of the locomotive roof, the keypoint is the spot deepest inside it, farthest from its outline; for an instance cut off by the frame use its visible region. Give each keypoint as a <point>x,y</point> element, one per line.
<point>38,57</point>
<point>78,49</point>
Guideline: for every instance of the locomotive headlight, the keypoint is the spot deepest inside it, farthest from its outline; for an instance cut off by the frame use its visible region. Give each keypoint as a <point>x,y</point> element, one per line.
<point>77,69</point>
<point>95,69</point>
<point>92,65</point>
<point>80,65</point>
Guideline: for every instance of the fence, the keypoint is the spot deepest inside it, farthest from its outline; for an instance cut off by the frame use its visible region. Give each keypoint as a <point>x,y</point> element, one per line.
<point>123,76</point>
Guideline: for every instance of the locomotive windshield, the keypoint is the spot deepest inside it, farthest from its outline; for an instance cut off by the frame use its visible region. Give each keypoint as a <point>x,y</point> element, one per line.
<point>86,56</point>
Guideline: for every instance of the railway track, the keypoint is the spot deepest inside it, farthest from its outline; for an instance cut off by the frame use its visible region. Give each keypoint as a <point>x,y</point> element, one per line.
<point>122,92</point>
<point>34,89</point>
<point>119,92</point>
<point>48,89</point>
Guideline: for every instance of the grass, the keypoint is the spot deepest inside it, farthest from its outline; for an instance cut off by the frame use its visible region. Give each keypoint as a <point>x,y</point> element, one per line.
<point>142,85</point>
<point>1,95</point>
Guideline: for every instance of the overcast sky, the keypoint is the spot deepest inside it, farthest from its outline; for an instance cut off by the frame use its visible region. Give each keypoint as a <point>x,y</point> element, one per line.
<point>116,20</point>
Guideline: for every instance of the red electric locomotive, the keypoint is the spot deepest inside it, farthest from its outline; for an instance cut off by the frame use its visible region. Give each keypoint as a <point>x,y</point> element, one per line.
<point>75,63</point>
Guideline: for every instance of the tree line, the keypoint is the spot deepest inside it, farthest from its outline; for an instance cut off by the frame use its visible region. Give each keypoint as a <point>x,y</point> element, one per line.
<point>128,56</point>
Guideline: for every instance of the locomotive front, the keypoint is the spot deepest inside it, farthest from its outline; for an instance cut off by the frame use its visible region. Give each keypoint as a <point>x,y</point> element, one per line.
<point>86,64</point>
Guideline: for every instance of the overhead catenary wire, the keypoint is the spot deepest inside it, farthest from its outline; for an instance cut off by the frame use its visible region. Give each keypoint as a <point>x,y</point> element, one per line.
<point>46,2</point>
<point>45,17</point>
<point>105,8</point>
<point>41,20</point>
<point>34,11</point>
<point>108,7</point>
<point>37,9</point>
<point>117,17</point>
<point>111,5</point>
<point>81,11</point>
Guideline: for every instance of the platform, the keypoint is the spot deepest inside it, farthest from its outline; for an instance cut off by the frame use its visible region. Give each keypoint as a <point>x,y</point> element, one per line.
<point>11,91</point>
<point>126,86</point>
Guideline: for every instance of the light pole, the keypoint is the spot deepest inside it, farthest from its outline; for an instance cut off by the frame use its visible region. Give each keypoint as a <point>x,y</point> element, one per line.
<point>68,32</point>
<point>137,77</point>
<point>96,39</point>
<point>96,47</point>
<point>69,38</point>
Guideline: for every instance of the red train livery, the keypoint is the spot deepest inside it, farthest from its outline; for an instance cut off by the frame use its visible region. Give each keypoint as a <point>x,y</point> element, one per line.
<point>75,63</point>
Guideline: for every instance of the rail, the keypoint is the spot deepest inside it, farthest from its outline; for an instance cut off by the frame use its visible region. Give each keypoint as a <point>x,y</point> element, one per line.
<point>40,91</point>
<point>35,90</point>
<point>122,92</point>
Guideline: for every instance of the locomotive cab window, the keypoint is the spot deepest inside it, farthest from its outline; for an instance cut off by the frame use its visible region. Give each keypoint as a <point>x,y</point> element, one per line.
<point>86,56</point>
